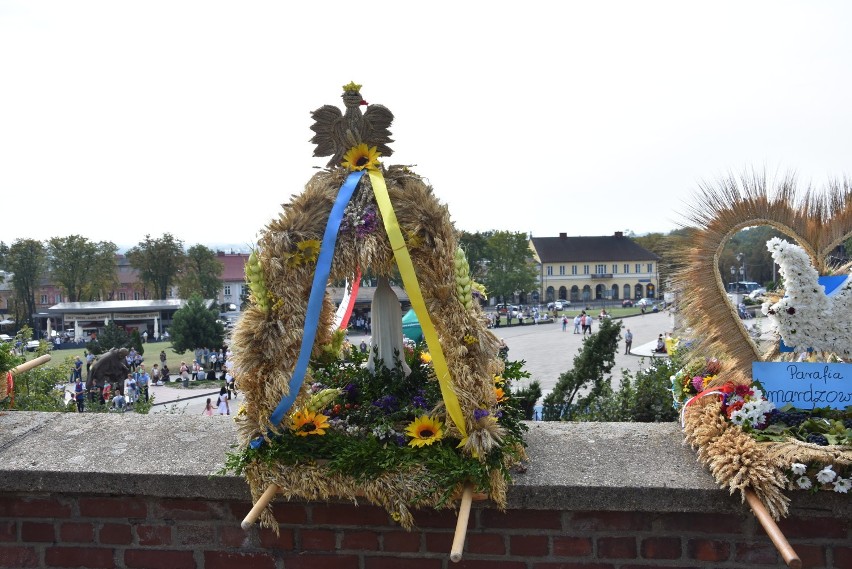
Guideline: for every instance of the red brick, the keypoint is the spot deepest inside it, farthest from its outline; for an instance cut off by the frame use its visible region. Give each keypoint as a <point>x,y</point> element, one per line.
<point>112,508</point>
<point>610,521</point>
<point>239,510</point>
<point>528,545</point>
<point>479,564</point>
<point>842,556</point>
<point>521,519</point>
<point>661,548</point>
<point>289,513</point>
<point>233,536</point>
<point>284,539</point>
<point>118,534</point>
<point>158,559</point>
<point>362,540</point>
<point>439,542</point>
<point>814,556</point>
<point>16,507</point>
<point>89,557</point>
<point>485,543</point>
<point>708,550</point>
<point>154,535</point>
<point>617,547</point>
<point>194,535</point>
<point>580,565</point>
<point>572,546</point>
<point>17,557</point>
<point>445,519</point>
<point>323,562</point>
<point>8,531</point>
<point>397,563</point>
<point>319,539</point>
<point>225,560</point>
<point>348,515</point>
<point>760,553</point>
<point>702,523</point>
<point>401,541</point>
<point>79,532</point>
<point>37,531</point>
<point>793,528</point>
<point>173,509</point>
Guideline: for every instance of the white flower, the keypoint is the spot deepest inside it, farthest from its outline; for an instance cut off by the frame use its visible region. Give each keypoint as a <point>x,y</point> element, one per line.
<point>798,468</point>
<point>842,485</point>
<point>826,475</point>
<point>803,482</point>
<point>738,417</point>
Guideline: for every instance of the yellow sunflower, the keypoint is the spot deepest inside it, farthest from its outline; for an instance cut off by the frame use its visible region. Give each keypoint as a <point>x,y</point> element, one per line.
<point>361,157</point>
<point>309,423</point>
<point>424,430</point>
<point>310,249</point>
<point>500,394</point>
<point>425,357</point>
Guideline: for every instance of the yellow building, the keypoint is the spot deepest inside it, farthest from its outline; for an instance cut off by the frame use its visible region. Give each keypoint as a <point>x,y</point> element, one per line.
<point>594,268</point>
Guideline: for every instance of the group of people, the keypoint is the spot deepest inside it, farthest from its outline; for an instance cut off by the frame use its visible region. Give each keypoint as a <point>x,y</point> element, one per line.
<point>582,322</point>
<point>222,406</point>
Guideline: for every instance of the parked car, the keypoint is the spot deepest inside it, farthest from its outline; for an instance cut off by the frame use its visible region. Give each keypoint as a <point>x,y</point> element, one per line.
<point>757,292</point>
<point>32,345</point>
<point>626,303</point>
<point>646,302</point>
<point>562,304</point>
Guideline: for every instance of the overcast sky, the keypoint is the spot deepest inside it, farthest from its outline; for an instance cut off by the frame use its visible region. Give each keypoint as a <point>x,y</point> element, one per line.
<point>119,119</point>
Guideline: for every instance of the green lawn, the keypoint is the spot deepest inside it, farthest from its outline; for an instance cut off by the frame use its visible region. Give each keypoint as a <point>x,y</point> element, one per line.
<point>151,356</point>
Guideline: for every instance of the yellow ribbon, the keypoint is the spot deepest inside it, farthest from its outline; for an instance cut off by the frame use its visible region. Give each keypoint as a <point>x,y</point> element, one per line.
<point>412,287</point>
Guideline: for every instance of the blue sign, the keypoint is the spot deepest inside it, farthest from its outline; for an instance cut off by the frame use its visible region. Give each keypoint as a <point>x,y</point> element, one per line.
<point>805,385</point>
<point>831,284</point>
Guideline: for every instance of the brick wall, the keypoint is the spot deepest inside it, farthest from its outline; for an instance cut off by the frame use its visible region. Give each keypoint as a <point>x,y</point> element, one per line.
<point>92,531</point>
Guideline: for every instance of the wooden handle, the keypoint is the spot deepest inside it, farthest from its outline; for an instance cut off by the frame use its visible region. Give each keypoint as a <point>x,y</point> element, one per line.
<point>461,524</point>
<point>27,366</point>
<point>261,503</point>
<point>772,530</point>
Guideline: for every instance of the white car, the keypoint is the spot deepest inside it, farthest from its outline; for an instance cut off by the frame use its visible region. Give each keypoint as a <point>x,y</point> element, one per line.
<point>561,304</point>
<point>757,292</point>
<point>32,345</point>
<point>646,302</point>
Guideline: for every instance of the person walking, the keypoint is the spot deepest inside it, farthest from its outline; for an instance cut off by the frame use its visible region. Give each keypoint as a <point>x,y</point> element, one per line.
<point>208,409</point>
<point>564,323</point>
<point>143,380</point>
<point>578,320</point>
<point>224,409</point>
<point>628,341</point>
<point>80,395</point>
<point>162,358</point>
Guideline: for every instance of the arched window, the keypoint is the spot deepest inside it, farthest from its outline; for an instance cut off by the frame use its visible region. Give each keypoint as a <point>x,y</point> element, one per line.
<point>615,292</point>
<point>637,291</point>
<point>650,290</point>
<point>599,291</point>
<point>587,292</point>
<point>626,291</point>
<point>575,293</point>
<point>563,292</point>
<point>549,294</point>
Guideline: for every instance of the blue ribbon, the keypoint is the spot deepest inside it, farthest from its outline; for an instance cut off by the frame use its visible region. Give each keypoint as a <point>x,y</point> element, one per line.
<point>318,289</point>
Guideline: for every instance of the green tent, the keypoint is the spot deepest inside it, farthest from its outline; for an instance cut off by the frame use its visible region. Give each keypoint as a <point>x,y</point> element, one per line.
<point>411,326</point>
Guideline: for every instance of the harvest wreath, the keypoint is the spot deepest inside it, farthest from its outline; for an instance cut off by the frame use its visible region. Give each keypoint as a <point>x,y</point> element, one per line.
<point>726,416</point>
<point>404,426</point>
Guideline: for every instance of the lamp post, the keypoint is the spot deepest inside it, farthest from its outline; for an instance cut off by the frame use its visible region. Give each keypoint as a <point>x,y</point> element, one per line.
<point>733,276</point>
<point>741,261</point>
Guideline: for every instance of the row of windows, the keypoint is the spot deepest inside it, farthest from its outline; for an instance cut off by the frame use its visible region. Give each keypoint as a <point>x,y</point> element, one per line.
<point>601,292</point>
<point>601,269</point>
<point>121,296</point>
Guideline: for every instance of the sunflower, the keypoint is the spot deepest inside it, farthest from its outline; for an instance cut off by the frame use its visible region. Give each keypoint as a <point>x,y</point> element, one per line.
<point>424,430</point>
<point>309,249</point>
<point>309,423</point>
<point>500,394</point>
<point>425,357</point>
<point>361,157</point>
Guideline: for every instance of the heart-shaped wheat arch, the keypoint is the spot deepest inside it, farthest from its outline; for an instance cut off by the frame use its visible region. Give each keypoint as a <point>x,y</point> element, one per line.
<point>817,221</point>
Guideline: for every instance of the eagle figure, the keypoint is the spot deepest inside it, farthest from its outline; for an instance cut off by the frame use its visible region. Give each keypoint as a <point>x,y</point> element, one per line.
<point>336,133</point>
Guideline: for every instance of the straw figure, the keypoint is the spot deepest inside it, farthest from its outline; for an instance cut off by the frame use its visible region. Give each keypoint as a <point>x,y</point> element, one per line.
<point>817,223</point>
<point>288,359</point>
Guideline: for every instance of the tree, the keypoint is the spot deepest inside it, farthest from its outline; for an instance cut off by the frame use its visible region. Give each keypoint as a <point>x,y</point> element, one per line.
<point>110,337</point>
<point>202,273</point>
<point>592,364</point>
<point>475,247</point>
<point>195,326</point>
<point>510,266</point>
<point>159,262</point>
<point>79,266</point>
<point>27,259</point>
<point>4,255</point>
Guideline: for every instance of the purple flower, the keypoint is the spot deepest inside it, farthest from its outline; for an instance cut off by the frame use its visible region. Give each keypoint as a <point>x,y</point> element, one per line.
<point>368,223</point>
<point>351,392</point>
<point>698,383</point>
<point>388,403</point>
<point>480,413</point>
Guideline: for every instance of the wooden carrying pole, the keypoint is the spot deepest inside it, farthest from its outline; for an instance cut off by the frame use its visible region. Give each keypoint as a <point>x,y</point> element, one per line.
<point>772,530</point>
<point>261,503</point>
<point>461,524</point>
<point>27,366</point>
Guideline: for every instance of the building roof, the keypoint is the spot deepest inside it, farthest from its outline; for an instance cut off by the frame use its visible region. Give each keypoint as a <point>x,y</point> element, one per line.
<point>604,248</point>
<point>234,266</point>
<point>122,305</point>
